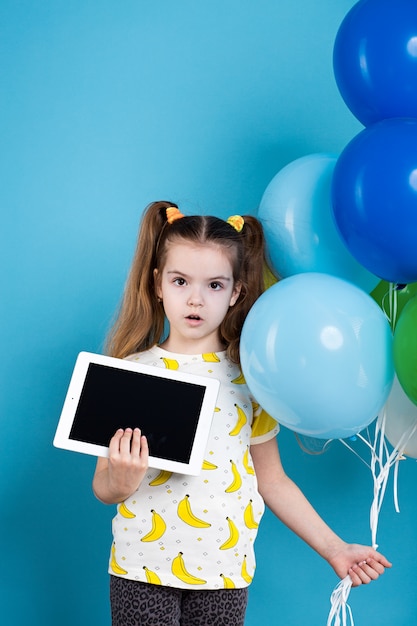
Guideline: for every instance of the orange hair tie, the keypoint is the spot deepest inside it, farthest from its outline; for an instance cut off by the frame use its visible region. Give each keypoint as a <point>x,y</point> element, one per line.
<point>236,221</point>
<point>173,213</point>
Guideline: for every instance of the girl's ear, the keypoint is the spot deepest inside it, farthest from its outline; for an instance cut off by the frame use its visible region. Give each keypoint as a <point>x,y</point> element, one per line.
<point>236,292</point>
<point>157,283</point>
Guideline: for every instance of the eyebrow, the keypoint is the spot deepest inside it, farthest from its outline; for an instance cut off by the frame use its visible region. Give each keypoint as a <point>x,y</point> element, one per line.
<point>214,278</point>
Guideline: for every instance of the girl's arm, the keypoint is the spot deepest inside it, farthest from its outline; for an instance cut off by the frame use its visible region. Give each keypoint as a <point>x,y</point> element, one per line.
<point>117,477</point>
<point>288,503</point>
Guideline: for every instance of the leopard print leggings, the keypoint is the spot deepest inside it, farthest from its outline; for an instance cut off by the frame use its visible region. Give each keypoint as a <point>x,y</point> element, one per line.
<point>142,604</point>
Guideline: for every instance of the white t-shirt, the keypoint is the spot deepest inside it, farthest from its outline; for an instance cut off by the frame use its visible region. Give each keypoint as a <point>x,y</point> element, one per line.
<point>198,532</point>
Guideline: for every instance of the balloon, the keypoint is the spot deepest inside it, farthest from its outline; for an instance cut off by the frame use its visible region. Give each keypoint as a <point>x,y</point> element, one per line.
<point>316,353</point>
<point>374,196</point>
<point>393,298</point>
<point>296,215</point>
<point>400,418</point>
<point>375,59</point>
<point>312,445</point>
<point>405,349</point>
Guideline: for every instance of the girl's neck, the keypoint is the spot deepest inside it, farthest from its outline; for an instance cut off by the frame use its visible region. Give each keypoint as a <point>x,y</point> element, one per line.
<point>193,347</point>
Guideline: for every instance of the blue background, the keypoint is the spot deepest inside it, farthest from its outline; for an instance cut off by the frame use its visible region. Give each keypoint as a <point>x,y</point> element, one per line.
<point>105,107</point>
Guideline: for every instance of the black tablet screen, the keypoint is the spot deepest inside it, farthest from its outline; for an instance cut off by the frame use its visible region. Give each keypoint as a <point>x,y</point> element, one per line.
<point>165,410</point>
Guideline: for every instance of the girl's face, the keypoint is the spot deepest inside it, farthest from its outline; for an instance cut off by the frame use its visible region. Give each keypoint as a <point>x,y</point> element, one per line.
<point>197,288</point>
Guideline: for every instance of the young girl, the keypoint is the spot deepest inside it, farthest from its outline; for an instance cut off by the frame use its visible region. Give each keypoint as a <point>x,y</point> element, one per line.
<point>183,546</point>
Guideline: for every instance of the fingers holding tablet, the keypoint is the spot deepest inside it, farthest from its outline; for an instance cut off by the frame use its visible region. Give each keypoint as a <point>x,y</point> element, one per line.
<point>126,441</point>
<point>128,459</point>
<point>129,444</point>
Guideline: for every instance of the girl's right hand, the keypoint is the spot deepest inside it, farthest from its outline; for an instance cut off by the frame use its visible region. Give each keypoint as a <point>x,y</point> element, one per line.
<point>128,460</point>
<point>117,477</point>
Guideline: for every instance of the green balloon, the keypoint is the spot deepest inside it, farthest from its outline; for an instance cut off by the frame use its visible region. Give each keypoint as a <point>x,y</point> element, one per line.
<point>405,349</point>
<point>393,298</point>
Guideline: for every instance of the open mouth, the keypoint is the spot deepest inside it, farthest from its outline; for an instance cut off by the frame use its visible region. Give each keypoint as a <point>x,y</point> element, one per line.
<point>193,317</point>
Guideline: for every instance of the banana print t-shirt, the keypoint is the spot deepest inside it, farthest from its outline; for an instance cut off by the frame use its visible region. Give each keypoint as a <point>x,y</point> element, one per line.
<point>198,532</point>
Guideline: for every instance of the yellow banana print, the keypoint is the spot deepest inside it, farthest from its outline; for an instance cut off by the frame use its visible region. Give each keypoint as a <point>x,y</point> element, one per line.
<point>158,528</point>
<point>114,565</point>
<point>179,570</point>
<point>208,466</point>
<point>237,479</point>
<point>241,421</point>
<point>228,582</point>
<point>249,469</point>
<point>152,577</point>
<point>245,574</point>
<point>240,380</point>
<point>185,513</point>
<point>123,510</point>
<point>162,478</point>
<point>248,517</point>
<point>170,364</point>
<point>233,536</point>
<point>211,357</point>
<point>268,422</point>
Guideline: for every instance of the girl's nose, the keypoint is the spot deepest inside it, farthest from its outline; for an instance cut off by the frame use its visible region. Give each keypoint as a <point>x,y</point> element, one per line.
<point>195,298</point>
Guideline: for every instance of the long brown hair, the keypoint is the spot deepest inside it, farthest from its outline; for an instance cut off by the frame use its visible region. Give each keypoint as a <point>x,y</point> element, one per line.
<point>140,321</point>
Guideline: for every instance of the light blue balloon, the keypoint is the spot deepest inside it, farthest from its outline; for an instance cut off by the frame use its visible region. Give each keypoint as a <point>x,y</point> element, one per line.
<point>297,217</point>
<point>316,353</point>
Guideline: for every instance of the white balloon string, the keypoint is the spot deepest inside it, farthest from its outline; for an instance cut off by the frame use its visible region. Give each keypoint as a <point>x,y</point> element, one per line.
<point>392,304</point>
<point>397,507</point>
<point>340,609</point>
<point>380,464</point>
<point>342,441</point>
<point>395,306</point>
<point>399,456</point>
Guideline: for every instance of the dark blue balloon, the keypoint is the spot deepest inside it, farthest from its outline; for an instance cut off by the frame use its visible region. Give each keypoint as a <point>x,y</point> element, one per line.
<point>374,199</point>
<point>375,59</point>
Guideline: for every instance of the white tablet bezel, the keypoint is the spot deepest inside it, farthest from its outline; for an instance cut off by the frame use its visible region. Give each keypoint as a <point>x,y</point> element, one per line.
<point>211,387</point>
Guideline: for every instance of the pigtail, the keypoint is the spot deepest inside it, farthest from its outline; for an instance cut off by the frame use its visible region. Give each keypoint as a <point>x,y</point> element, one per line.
<point>140,320</point>
<point>260,272</point>
<point>254,268</point>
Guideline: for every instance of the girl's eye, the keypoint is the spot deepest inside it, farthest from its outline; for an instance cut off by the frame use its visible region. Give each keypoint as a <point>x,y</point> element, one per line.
<point>215,285</point>
<point>179,281</point>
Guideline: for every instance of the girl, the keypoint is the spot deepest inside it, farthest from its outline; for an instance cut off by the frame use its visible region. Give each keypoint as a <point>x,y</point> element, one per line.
<point>182,548</point>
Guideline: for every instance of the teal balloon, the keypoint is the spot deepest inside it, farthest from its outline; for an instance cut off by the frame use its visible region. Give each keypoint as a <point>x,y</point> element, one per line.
<point>316,353</point>
<point>297,218</point>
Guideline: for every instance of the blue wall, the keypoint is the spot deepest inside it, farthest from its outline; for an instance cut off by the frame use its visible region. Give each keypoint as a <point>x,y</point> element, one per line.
<point>106,106</point>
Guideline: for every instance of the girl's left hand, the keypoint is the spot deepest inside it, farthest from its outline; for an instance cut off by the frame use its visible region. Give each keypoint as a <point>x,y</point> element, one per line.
<point>362,563</point>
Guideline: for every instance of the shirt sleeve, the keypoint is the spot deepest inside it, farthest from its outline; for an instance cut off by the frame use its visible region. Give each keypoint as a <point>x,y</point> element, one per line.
<point>264,427</point>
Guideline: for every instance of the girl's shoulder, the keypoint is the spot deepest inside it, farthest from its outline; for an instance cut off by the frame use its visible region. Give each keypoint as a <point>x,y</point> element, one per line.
<point>144,356</point>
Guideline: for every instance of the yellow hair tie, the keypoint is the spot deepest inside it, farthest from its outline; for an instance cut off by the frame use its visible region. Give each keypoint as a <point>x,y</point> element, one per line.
<point>173,213</point>
<point>236,221</point>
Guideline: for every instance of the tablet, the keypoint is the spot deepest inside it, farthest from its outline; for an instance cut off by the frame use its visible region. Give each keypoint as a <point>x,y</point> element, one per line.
<point>173,409</point>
